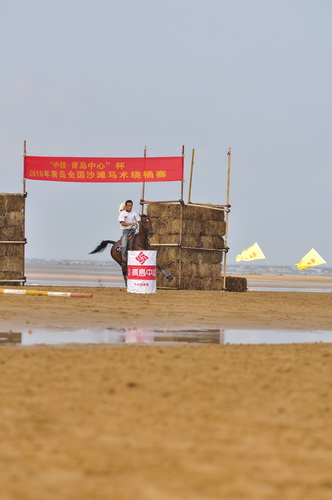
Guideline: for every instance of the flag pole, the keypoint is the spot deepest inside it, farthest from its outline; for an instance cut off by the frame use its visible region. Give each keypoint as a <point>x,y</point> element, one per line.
<point>227,212</point>
<point>191,174</point>
<point>25,194</point>
<point>24,155</point>
<point>269,265</point>
<point>181,229</point>
<point>143,187</point>
<point>182,182</point>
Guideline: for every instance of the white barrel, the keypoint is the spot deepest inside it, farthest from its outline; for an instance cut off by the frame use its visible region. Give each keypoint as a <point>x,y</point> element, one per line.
<point>141,271</point>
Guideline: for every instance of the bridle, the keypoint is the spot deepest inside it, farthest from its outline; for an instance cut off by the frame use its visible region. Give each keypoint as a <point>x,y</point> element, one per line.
<point>146,229</point>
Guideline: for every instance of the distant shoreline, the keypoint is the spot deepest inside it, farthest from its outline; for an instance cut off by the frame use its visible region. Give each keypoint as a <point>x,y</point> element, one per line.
<point>54,273</point>
<point>102,274</point>
<point>286,277</point>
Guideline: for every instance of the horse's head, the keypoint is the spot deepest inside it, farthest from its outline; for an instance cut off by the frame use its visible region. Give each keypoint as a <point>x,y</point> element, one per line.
<point>146,225</point>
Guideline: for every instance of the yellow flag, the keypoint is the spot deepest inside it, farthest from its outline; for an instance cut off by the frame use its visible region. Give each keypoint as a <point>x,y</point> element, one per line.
<point>312,258</point>
<point>252,253</point>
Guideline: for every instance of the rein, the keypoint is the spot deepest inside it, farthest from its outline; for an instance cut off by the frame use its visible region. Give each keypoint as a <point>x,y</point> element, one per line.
<point>145,229</point>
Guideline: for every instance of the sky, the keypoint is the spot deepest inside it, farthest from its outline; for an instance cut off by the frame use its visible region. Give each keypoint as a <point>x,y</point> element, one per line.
<point>107,78</point>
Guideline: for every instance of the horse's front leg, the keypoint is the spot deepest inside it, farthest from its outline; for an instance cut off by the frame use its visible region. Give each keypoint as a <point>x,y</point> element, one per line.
<point>124,271</point>
<point>168,276</point>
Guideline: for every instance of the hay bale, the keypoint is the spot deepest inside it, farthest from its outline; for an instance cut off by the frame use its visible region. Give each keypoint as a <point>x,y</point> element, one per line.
<point>214,228</point>
<point>15,218</point>
<point>202,230</point>
<point>162,282</point>
<point>12,202</point>
<point>233,283</point>
<point>200,283</point>
<point>158,239</point>
<point>212,242</point>
<point>167,256</point>
<point>170,256</point>
<point>200,257</point>
<point>173,226</point>
<point>192,227</point>
<point>11,229</point>
<point>201,270</point>
<point>11,250</point>
<point>165,226</point>
<point>236,284</point>
<point>194,264</point>
<point>172,210</point>
<point>11,263</point>
<point>208,242</point>
<point>11,279</point>
<point>12,233</point>
<point>12,226</point>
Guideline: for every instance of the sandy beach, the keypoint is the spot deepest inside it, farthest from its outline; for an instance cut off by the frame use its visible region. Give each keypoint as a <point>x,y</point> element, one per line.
<point>171,421</point>
<point>113,307</point>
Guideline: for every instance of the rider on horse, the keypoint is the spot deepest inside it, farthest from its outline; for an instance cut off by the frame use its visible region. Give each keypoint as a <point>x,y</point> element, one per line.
<point>128,219</point>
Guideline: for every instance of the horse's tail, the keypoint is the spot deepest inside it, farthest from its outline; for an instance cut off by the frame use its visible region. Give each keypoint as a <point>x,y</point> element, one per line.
<point>102,246</point>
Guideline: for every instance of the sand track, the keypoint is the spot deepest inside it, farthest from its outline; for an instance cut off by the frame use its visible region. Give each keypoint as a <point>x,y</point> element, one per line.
<point>186,422</point>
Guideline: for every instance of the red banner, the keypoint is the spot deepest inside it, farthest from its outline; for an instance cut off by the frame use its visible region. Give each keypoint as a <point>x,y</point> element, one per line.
<point>69,169</point>
<point>141,272</point>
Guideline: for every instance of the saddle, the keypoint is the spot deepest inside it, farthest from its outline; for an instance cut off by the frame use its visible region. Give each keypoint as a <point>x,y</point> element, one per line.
<point>130,243</point>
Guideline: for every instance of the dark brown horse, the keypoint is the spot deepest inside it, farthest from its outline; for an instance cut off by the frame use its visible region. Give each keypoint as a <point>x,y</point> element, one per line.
<point>140,242</point>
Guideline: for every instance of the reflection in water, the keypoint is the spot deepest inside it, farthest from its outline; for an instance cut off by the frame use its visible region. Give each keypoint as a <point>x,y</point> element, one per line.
<point>10,338</point>
<point>118,336</point>
<point>144,336</point>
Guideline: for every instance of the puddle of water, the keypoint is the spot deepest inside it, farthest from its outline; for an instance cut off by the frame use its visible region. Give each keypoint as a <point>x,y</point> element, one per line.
<point>288,289</point>
<point>113,336</point>
<point>276,336</point>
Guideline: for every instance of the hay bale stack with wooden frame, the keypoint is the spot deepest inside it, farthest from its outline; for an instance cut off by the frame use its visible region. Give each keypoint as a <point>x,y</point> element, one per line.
<point>190,245</point>
<point>189,241</point>
<point>12,238</point>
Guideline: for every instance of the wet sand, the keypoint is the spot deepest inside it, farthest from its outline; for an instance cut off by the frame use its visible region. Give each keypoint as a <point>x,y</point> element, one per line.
<point>286,281</point>
<point>166,422</point>
<point>114,307</point>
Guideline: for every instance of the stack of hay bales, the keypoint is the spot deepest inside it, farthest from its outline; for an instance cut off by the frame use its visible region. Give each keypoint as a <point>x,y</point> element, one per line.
<point>12,210</point>
<point>196,233</point>
<point>195,257</point>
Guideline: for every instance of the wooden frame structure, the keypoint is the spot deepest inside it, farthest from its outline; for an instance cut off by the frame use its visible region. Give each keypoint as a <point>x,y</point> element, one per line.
<point>12,237</point>
<point>222,207</point>
<point>16,212</point>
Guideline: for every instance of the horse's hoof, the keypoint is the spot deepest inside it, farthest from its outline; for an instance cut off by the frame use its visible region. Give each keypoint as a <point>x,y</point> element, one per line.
<point>170,278</point>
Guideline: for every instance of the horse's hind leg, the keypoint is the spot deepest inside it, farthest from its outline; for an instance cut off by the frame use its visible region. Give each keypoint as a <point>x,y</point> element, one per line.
<point>117,257</point>
<point>124,272</point>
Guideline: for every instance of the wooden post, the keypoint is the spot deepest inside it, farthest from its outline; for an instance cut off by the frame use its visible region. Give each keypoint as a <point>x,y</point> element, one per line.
<point>222,339</point>
<point>191,174</point>
<point>181,228</point>
<point>180,245</point>
<point>25,195</point>
<point>227,213</point>
<point>182,182</point>
<point>24,154</point>
<point>143,187</point>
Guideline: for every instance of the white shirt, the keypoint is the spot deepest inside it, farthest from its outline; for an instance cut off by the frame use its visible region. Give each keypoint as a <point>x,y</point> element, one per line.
<point>128,217</point>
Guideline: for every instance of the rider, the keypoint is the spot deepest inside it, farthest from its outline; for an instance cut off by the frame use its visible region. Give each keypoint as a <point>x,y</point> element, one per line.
<point>128,218</point>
